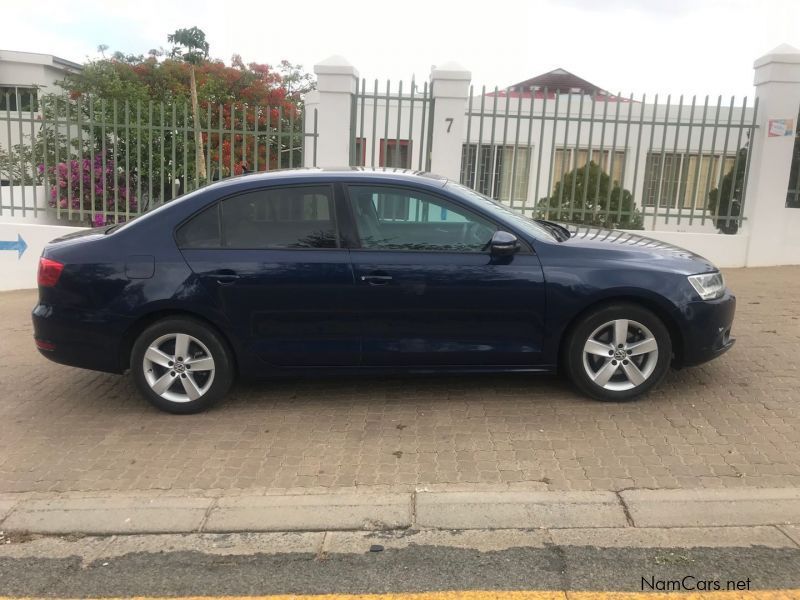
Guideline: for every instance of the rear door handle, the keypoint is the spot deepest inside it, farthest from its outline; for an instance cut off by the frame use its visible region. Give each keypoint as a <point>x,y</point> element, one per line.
<point>225,277</point>
<point>376,279</point>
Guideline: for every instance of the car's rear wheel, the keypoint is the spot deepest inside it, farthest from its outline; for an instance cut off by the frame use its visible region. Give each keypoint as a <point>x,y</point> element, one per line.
<point>618,352</point>
<point>181,365</point>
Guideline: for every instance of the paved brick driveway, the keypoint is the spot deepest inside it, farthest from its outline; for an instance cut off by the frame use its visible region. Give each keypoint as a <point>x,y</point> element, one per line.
<point>732,422</point>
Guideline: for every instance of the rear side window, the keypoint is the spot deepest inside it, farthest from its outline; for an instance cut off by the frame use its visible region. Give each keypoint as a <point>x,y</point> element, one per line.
<point>288,217</point>
<point>201,231</point>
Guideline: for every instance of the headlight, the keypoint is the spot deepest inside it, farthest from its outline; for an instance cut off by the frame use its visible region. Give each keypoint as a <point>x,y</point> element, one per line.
<point>709,285</point>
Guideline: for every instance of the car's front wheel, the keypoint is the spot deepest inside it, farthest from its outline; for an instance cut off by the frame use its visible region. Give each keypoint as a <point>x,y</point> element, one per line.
<point>181,365</point>
<point>618,352</point>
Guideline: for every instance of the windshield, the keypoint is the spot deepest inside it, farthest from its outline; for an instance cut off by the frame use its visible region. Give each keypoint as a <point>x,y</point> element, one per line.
<point>539,230</point>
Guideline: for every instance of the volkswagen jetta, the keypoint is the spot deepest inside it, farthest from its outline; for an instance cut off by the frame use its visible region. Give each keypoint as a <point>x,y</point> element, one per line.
<point>370,271</point>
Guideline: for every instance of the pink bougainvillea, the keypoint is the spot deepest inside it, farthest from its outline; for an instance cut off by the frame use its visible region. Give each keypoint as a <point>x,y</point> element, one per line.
<point>72,183</point>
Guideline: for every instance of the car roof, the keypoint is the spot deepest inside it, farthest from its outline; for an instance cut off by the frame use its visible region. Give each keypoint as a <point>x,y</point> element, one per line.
<point>336,173</point>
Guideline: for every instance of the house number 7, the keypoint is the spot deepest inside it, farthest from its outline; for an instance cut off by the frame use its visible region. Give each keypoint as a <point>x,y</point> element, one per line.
<point>449,123</point>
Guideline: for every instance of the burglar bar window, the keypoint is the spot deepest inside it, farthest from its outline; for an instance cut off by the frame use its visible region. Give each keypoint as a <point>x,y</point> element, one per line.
<point>501,172</point>
<point>576,158</point>
<point>23,99</point>
<point>685,177</point>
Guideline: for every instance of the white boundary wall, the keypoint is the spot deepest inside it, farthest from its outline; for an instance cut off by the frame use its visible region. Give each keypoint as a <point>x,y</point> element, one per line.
<point>725,251</point>
<point>19,269</point>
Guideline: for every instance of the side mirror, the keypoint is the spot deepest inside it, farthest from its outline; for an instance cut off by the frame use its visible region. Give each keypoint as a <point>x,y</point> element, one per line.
<point>503,244</point>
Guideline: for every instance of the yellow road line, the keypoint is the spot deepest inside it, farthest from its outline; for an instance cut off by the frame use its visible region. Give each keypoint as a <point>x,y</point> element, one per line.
<point>793,594</point>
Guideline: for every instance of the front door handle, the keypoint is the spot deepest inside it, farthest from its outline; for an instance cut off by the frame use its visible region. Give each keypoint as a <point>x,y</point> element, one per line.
<point>376,279</point>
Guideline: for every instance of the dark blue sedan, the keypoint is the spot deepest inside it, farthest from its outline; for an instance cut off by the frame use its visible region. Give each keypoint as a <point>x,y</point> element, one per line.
<point>368,272</point>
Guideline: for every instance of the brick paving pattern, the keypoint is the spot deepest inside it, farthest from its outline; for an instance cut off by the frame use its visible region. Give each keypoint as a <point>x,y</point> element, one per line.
<point>731,422</point>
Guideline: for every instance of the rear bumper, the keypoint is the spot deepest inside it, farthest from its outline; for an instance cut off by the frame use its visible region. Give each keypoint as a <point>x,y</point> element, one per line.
<point>707,329</point>
<point>77,338</point>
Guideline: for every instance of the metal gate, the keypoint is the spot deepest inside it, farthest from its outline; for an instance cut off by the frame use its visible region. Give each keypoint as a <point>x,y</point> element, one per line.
<point>392,127</point>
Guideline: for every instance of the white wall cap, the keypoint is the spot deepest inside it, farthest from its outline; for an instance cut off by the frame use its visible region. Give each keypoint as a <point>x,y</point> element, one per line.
<point>782,54</point>
<point>335,65</point>
<point>450,70</point>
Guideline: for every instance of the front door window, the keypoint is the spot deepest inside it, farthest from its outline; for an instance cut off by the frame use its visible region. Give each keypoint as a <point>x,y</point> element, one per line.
<point>389,218</point>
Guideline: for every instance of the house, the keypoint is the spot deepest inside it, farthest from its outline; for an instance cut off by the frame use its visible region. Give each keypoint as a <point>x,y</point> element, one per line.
<point>22,74</point>
<point>556,81</point>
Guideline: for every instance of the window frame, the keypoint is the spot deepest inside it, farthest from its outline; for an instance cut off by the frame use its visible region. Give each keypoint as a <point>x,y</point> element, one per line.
<point>525,247</point>
<point>340,243</point>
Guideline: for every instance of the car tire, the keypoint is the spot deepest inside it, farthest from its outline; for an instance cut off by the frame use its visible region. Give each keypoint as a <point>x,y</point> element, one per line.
<point>618,352</point>
<point>181,365</point>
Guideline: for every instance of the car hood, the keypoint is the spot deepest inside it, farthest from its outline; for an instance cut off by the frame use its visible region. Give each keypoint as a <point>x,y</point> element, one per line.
<point>633,246</point>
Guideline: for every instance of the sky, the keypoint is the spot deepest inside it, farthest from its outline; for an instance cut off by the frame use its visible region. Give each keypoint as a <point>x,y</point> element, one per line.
<point>630,46</point>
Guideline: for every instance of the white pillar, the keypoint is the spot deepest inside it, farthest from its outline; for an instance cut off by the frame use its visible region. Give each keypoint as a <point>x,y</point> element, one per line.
<point>772,227</point>
<point>336,84</point>
<point>450,90</point>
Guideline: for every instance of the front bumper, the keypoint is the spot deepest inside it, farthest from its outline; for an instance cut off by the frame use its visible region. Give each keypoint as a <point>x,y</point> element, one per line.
<point>78,338</point>
<point>706,328</point>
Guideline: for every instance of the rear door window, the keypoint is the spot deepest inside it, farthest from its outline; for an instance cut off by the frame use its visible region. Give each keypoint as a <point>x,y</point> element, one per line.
<point>282,217</point>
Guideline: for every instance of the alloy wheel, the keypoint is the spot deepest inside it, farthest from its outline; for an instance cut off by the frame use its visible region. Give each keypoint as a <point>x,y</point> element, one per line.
<point>178,367</point>
<point>620,355</point>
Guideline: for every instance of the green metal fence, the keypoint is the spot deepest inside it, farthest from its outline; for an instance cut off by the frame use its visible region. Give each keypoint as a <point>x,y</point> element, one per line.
<point>611,160</point>
<point>108,161</point>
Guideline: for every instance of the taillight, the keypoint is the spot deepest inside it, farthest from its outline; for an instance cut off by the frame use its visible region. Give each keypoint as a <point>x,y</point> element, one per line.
<point>49,272</point>
<point>44,345</point>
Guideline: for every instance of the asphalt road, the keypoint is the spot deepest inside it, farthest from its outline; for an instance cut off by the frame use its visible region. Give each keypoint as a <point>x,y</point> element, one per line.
<point>414,568</point>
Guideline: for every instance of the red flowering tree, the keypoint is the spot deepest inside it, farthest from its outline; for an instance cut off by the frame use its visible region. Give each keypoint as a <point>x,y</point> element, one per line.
<point>248,116</point>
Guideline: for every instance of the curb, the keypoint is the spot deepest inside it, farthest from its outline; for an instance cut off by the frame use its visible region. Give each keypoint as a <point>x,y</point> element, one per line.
<point>351,510</point>
<point>515,510</point>
<point>713,508</point>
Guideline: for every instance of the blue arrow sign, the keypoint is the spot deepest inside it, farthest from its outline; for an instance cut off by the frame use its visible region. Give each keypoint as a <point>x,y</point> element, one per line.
<point>20,246</point>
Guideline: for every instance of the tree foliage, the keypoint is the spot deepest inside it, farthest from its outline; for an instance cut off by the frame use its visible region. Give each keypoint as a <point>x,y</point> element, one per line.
<point>587,196</point>
<point>144,79</point>
<point>190,45</point>
<point>726,200</point>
